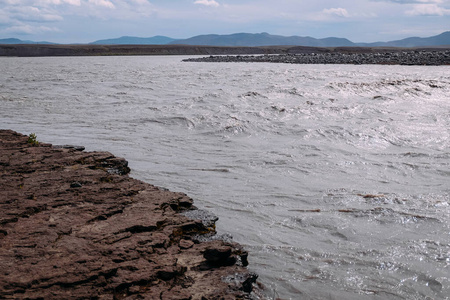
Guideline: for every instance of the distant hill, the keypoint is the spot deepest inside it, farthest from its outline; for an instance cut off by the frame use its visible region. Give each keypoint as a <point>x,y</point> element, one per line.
<point>131,40</point>
<point>437,40</point>
<point>262,39</point>
<point>258,40</point>
<point>13,41</point>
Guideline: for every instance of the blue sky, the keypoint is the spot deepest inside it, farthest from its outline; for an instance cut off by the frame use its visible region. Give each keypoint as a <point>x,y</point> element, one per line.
<point>82,21</point>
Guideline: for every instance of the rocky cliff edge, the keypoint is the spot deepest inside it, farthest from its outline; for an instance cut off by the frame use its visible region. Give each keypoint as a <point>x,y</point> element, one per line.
<point>74,225</point>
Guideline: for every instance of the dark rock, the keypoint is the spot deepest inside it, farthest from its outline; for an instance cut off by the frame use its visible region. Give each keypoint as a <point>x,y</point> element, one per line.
<point>217,255</point>
<point>244,280</point>
<point>75,185</point>
<point>250,279</point>
<point>244,258</point>
<point>170,272</point>
<point>76,148</point>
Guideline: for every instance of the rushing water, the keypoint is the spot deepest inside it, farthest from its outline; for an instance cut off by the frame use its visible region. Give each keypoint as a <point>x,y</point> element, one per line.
<point>336,178</point>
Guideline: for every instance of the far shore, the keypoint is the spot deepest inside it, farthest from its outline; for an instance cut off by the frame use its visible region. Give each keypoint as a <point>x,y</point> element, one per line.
<point>37,50</point>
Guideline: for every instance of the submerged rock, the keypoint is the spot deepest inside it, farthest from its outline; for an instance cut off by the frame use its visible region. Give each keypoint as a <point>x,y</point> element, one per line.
<point>72,229</point>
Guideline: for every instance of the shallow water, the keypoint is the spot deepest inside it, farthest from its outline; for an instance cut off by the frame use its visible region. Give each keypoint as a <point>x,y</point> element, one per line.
<point>334,177</point>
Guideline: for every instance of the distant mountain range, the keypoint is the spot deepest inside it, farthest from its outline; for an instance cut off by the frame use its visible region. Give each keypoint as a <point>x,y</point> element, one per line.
<point>131,40</point>
<point>13,41</point>
<point>265,39</point>
<point>260,39</point>
<point>442,39</point>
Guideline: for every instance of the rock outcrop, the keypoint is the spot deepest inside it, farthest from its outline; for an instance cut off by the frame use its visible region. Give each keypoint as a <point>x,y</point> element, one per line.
<point>74,225</point>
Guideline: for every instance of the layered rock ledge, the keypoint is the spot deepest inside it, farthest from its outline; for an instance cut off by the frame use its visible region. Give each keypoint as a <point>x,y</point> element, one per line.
<point>74,225</point>
<point>411,57</point>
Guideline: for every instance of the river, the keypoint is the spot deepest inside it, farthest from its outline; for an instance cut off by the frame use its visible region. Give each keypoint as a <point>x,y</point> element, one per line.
<point>336,178</point>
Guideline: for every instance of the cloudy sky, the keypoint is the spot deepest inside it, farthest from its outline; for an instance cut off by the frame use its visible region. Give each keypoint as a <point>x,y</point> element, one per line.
<point>82,21</point>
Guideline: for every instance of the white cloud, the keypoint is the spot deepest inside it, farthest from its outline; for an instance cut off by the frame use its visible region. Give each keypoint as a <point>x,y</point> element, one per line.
<point>104,3</point>
<point>140,1</point>
<point>4,18</point>
<point>340,12</point>
<point>12,2</point>
<point>411,1</point>
<point>30,13</point>
<point>73,2</point>
<point>428,10</point>
<point>28,29</point>
<point>207,2</point>
<point>41,2</point>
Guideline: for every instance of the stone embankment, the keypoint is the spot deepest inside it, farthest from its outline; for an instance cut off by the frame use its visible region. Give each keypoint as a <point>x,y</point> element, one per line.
<point>423,57</point>
<point>74,225</point>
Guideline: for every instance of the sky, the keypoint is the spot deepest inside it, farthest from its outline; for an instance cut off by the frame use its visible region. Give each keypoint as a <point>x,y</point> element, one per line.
<point>84,21</point>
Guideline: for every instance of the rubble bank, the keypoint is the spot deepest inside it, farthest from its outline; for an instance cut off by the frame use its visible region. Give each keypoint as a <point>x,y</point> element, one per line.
<point>422,57</point>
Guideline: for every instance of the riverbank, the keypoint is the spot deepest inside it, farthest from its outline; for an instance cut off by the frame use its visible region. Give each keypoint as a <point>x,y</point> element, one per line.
<point>416,57</point>
<point>120,50</point>
<point>309,54</point>
<point>74,225</point>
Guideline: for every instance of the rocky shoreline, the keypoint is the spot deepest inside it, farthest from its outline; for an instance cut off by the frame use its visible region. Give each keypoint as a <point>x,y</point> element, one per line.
<point>416,57</point>
<point>74,225</point>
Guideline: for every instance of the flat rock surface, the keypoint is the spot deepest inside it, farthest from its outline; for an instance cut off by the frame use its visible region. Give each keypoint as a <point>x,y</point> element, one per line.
<point>74,225</point>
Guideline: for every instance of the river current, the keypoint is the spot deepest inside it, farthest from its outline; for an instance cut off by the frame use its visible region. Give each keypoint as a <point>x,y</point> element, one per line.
<point>336,178</point>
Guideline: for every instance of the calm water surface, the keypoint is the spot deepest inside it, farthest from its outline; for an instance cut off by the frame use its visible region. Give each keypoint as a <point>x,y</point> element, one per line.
<point>336,178</point>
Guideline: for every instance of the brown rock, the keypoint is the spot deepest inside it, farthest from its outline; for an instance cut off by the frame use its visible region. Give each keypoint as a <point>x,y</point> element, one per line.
<point>74,225</point>
<point>186,244</point>
<point>176,294</point>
